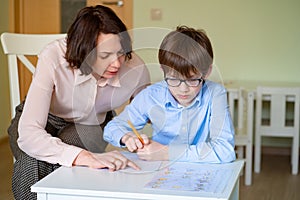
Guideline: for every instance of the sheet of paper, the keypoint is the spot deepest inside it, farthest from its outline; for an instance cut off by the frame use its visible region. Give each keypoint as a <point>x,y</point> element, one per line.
<point>146,166</point>
<point>191,177</point>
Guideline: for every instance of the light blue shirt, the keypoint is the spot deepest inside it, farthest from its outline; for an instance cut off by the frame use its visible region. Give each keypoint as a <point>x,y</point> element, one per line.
<point>201,132</point>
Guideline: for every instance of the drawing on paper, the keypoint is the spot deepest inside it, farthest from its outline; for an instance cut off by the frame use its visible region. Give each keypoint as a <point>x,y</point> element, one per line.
<point>191,177</point>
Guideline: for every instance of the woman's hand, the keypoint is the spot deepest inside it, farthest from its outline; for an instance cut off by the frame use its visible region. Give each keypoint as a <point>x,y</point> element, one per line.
<point>113,160</point>
<point>154,151</point>
<point>132,142</point>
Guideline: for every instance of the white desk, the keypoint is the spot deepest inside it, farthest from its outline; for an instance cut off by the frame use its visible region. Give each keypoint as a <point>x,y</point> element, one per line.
<point>81,183</point>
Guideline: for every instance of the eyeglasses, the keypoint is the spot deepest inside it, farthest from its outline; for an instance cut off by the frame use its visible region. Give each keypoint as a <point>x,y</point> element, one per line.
<point>173,82</point>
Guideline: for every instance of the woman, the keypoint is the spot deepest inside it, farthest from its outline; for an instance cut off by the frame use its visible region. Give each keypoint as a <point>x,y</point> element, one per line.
<point>77,82</point>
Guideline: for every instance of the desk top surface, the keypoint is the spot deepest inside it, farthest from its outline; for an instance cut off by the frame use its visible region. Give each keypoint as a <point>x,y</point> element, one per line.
<point>102,183</point>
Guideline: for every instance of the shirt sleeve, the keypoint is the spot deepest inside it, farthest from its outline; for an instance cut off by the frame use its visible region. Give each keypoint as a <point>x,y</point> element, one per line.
<point>33,138</point>
<point>218,146</point>
<point>135,112</point>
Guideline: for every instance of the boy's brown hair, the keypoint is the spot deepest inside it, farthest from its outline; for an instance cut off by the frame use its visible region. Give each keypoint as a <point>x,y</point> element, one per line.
<point>186,50</point>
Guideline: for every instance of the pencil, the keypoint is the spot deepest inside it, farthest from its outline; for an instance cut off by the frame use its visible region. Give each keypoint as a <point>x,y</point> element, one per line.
<point>135,132</point>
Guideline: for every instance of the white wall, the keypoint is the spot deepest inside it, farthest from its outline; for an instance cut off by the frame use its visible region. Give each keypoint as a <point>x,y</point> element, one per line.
<point>257,40</point>
<point>252,40</point>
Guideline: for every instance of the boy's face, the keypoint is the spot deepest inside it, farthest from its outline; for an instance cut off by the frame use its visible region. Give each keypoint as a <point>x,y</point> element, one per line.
<point>183,93</point>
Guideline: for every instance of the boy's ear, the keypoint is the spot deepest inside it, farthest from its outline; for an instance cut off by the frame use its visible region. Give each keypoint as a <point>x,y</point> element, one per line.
<point>208,71</point>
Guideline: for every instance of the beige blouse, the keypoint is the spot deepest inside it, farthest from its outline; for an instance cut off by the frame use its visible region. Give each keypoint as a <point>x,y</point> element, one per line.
<point>64,92</point>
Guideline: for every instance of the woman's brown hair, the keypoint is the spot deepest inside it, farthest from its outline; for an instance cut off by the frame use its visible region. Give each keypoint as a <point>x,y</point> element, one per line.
<point>83,34</point>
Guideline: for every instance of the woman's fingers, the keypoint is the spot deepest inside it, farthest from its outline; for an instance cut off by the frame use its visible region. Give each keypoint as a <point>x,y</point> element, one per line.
<point>114,160</point>
<point>133,165</point>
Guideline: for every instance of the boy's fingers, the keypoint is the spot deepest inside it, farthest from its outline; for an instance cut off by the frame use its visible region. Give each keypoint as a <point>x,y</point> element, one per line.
<point>145,139</point>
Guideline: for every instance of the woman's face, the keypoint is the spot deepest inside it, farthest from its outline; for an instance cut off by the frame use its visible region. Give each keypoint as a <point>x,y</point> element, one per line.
<point>110,55</point>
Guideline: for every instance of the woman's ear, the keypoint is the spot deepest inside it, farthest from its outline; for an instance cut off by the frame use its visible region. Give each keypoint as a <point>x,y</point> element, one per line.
<point>208,71</point>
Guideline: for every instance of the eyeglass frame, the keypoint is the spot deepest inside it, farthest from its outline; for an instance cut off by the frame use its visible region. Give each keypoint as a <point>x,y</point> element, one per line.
<point>200,81</point>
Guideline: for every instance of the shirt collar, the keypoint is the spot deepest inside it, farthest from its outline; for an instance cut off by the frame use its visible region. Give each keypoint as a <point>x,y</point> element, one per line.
<point>171,101</point>
<point>80,78</point>
<point>115,82</point>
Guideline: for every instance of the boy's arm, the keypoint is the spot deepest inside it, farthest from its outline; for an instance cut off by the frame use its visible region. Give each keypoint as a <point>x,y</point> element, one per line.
<point>218,145</point>
<point>118,127</point>
<point>114,131</point>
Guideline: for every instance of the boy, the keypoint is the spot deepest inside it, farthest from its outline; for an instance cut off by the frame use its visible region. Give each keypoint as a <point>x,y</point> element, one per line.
<point>189,115</point>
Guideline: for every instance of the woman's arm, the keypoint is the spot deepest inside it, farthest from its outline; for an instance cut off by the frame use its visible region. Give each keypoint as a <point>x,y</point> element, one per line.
<point>33,138</point>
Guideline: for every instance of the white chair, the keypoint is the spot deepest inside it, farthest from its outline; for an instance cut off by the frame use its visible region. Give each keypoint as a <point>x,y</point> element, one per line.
<point>16,46</point>
<point>241,109</point>
<point>275,123</point>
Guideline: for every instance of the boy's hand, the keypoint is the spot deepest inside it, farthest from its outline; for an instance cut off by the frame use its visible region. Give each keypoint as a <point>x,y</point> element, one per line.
<point>132,142</point>
<point>154,151</point>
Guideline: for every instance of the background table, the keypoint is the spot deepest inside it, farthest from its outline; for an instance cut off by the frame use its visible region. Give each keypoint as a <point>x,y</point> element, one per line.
<point>81,183</point>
